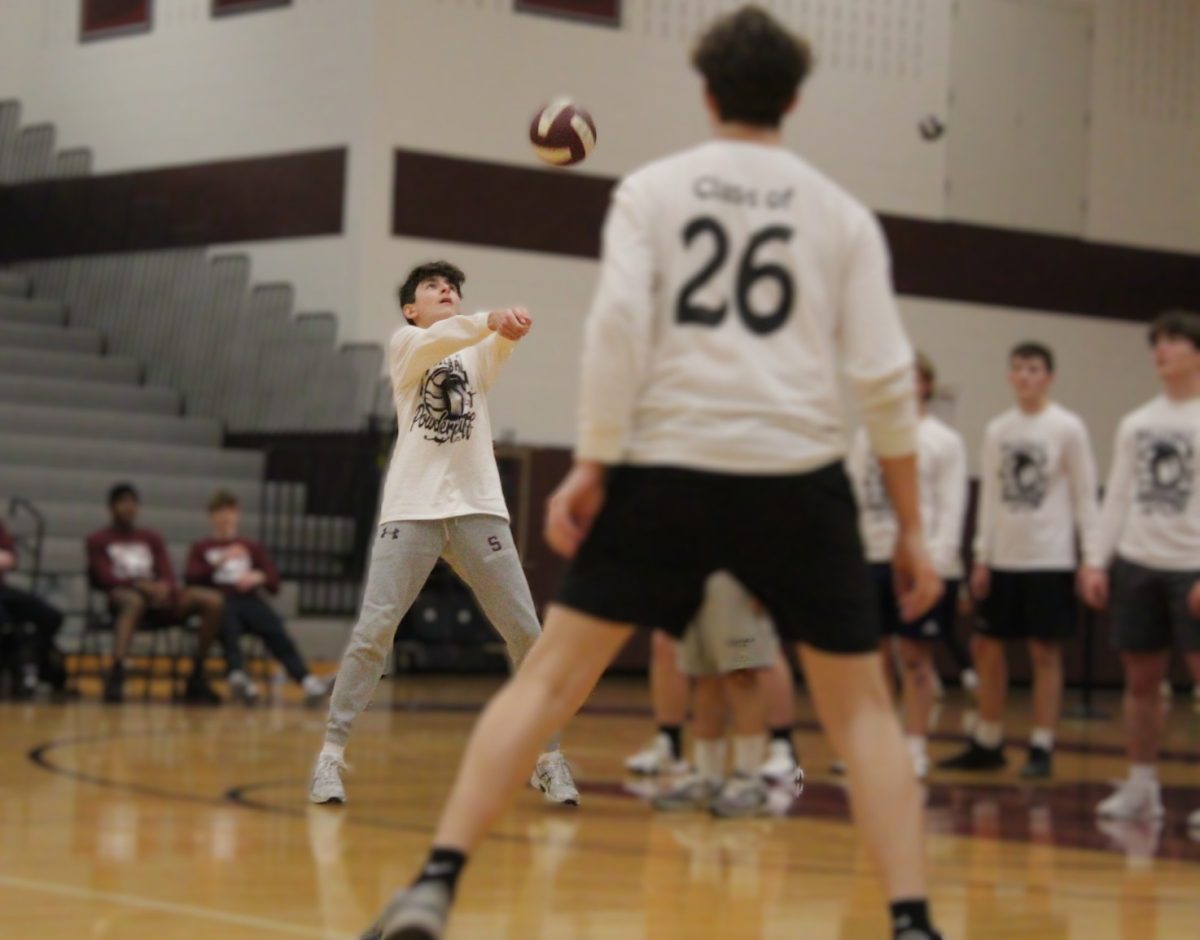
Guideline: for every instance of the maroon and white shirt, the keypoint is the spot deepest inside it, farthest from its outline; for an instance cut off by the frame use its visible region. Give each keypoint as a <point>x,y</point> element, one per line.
<point>222,563</point>
<point>122,557</point>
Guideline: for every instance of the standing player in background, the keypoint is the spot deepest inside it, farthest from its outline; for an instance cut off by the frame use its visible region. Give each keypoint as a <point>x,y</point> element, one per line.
<point>1037,489</point>
<point>736,284</point>
<point>442,499</point>
<point>1150,534</point>
<point>20,607</point>
<point>942,464</point>
<point>243,572</point>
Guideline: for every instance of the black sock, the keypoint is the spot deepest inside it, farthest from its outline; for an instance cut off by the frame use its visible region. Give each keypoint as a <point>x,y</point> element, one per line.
<point>444,865</point>
<point>675,733</point>
<point>784,733</point>
<point>912,914</point>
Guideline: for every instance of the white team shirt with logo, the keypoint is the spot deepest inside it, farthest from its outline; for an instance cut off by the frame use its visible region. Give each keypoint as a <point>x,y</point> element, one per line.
<point>1151,512</point>
<point>942,473</point>
<point>735,282</point>
<point>131,561</point>
<point>1037,487</point>
<point>443,464</point>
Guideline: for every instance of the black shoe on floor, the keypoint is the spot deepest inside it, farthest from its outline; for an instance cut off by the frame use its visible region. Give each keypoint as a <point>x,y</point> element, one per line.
<point>975,757</point>
<point>199,692</point>
<point>1038,766</point>
<point>114,686</point>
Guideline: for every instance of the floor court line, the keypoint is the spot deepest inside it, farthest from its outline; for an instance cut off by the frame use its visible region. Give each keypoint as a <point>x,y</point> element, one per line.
<point>167,907</point>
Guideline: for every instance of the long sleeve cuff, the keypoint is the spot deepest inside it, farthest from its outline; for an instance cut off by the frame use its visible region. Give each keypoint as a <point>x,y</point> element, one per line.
<point>604,445</point>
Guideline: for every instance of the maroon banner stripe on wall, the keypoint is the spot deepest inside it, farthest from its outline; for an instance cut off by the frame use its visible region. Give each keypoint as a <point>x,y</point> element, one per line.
<point>288,196</point>
<point>561,211</point>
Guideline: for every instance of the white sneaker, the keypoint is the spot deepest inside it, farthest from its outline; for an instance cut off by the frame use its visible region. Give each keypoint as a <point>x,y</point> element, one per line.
<point>741,797</point>
<point>780,765</point>
<point>326,785</point>
<point>242,687</point>
<point>315,690</point>
<point>1133,801</point>
<point>658,757</point>
<point>969,679</point>
<point>553,777</point>
<point>693,792</point>
<point>1194,820</point>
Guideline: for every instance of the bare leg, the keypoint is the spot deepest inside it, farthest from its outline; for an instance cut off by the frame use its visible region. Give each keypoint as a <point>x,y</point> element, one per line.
<point>779,693</point>
<point>668,686</point>
<point>992,667</point>
<point>131,607</point>
<point>210,606</point>
<point>708,717</point>
<point>916,659</point>
<point>852,701</point>
<point>746,700</point>
<point>1046,657</point>
<point>1144,673</point>
<point>553,682</point>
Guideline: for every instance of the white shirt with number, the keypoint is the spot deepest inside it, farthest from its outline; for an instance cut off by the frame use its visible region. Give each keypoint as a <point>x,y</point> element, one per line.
<point>444,464</point>
<point>736,281</point>
<point>1151,512</point>
<point>942,470</point>
<point>1037,490</point>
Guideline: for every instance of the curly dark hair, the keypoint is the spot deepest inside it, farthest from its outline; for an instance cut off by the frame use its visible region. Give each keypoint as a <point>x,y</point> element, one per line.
<point>752,66</point>
<point>423,272</point>
<point>1176,324</point>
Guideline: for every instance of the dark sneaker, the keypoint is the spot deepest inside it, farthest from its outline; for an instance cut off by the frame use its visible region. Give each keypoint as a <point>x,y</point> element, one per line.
<point>114,686</point>
<point>199,692</point>
<point>975,757</point>
<point>1038,766</point>
<point>416,914</point>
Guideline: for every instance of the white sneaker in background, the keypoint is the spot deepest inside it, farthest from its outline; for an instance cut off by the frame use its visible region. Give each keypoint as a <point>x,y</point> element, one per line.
<point>741,796</point>
<point>658,757</point>
<point>326,785</point>
<point>315,690</point>
<point>693,792</point>
<point>780,765</point>
<point>970,680</point>
<point>553,777</point>
<point>243,688</point>
<point>1133,800</point>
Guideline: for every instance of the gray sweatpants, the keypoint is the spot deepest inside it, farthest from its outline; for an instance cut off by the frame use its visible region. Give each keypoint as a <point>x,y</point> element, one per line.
<point>481,551</point>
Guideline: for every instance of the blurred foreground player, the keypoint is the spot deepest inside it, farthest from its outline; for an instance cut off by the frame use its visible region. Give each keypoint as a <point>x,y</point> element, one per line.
<point>736,283</point>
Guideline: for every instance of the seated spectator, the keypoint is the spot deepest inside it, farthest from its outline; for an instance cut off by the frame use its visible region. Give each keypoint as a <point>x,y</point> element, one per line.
<point>243,571</point>
<point>21,607</point>
<point>131,566</point>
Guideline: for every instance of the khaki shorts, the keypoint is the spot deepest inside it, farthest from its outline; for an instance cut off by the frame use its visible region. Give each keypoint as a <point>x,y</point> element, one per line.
<point>730,632</point>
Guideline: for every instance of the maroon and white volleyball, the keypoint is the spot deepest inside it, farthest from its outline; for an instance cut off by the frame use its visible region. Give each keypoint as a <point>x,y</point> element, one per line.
<point>562,133</point>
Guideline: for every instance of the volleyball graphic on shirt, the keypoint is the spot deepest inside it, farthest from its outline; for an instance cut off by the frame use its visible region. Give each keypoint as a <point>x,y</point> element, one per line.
<point>1166,471</point>
<point>446,409</point>
<point>1024,474</point>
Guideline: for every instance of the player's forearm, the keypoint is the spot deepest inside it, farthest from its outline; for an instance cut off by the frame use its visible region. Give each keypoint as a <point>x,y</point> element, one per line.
<point>421,349</point>
<point>900,480</point>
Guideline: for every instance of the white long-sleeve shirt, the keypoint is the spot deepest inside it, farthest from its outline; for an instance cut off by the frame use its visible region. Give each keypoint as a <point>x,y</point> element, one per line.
<point>1037,487</point>
<point>735,282</point>
<point>443,464</point>
<point>942,473</point>
<point>1151,513</point>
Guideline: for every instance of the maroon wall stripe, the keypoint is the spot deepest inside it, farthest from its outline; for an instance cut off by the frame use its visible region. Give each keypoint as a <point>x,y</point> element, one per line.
<point>560,212</point>
<point>287,196</point>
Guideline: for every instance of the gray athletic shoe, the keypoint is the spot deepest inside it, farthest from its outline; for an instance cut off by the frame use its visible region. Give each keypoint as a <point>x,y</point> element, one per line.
<point>553,777</point>
<point>326,785</point>
<point>693,792</point>
<point>741,796</point>
<point>418,913</point>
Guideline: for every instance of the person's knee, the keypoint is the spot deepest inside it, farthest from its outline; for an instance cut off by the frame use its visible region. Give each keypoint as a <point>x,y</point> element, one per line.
<point>742,679</point>
<point>128,603</point>
<point>1045,654</point>
<point>662,646</point>
<point>1143,674</point>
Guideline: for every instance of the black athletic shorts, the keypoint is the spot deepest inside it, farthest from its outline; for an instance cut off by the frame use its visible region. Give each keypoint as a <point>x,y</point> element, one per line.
<point>934,625</point>
<point>1038,605</point>
<point>792,541</point>
<point>1151,604</point>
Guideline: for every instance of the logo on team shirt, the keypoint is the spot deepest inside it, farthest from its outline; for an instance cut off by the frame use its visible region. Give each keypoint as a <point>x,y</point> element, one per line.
<point>131,561</point>
<point>1024,475</point>
<point>446,410</point>
<point>1166,471</point>
<point>230,563</point>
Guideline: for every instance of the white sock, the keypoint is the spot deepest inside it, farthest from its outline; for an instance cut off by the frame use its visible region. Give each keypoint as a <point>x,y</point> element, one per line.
<point>1143,774</point>
<point>311,683</point>
<point>748,754</point>
<point>1043,738</point>
<point>989,733</point>
<point>336,751</point>
<point>710,758</point>
<point>916,746</point>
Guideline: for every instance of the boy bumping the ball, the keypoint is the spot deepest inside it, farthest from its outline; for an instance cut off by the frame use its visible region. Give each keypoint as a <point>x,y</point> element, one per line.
<point>442,499</point>
<point>735,281</point>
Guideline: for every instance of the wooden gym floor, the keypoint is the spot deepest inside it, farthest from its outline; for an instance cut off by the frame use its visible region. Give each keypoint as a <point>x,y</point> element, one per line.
<point>156,821</point>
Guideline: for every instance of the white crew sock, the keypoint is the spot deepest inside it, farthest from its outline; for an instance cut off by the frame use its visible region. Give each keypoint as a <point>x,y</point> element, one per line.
<point>748,754</point>
<point>1043,738</point>
<point>710,758</point>
<point>989,733</point>
<point>1143,774</point>
<point>336,751</point>
<point>916,746</point>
